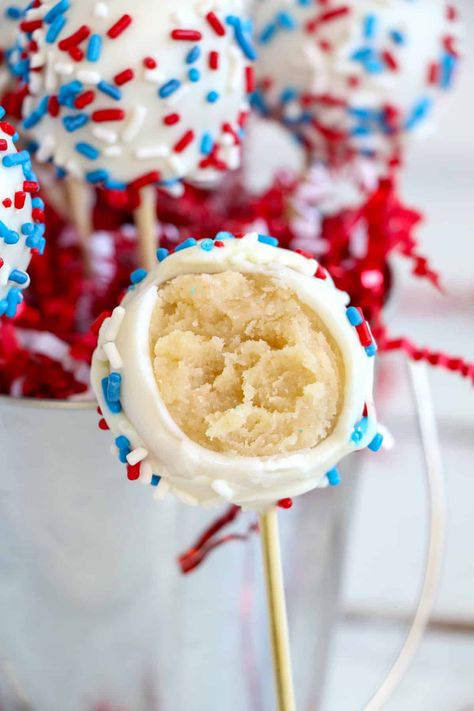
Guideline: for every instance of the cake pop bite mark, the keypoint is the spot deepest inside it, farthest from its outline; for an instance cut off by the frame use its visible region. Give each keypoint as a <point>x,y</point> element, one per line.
<point>354,77</point>
<point>120,94</point>
<point>21,219</point>
<point>241,373</point>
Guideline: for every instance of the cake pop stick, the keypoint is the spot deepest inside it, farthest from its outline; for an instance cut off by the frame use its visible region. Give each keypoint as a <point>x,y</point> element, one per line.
<point>147,227</point>
<point>133,97</point>
<point>278,618</point>
<point>79,199</point>
<point>21,219</point>
<point>235,371</point>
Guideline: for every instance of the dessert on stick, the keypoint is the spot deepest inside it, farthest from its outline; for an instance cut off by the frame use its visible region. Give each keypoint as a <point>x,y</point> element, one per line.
<point>236,374</point>
<point>357,77</point>
<point>236,371</point>
<point>136,96</point>
<point>21,219</point>
<point>10,16</point>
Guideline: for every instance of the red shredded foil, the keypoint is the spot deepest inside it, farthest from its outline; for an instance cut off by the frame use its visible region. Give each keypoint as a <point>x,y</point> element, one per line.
<point>62,302</point>
<point>210,540</point>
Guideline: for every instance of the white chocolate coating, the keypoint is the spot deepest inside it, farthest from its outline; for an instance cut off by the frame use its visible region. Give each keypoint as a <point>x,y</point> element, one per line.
<point>359,75</point>
<point>196,474</point>
<point>178,112</point>
<point>21,227</point>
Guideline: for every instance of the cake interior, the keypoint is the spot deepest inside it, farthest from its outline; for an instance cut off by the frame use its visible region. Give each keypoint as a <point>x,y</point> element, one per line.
<point>243,366</point>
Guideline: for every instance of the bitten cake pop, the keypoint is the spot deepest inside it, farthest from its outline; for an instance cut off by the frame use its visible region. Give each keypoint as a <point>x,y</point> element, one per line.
<point>357,76</point>
<point>130,94</point>
<point>21,219</point>
<point>235,371</point>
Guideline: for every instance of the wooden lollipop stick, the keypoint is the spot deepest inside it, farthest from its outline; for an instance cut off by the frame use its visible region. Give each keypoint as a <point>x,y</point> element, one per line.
<point>277,610</point>
<point>81,214</point>
<point>147,225</point>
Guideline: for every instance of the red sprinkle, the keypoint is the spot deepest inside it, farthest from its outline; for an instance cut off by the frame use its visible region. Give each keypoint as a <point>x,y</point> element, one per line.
<point>186,35</point>
<point>133,472</point>
<point>214,60</point>
<point>184,141</point>
<point>215,23</point>
<point>171,119</point>
<point>285,503</point>
<point>119,27</point>
<point>124,77</point>
<point>108,115</point>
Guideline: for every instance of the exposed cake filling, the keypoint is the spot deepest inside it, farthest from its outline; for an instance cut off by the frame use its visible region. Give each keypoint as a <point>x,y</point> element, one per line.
<point>243,365</point>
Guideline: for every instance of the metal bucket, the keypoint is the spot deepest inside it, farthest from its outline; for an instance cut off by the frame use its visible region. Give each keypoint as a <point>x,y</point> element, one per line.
<point>94,611</point>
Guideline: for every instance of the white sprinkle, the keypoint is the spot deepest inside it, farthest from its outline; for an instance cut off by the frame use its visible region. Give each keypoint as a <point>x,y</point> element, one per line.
<point>101,9</point>
<point>114,322</point>
<point>104,134</point>
<point>222,488</point>
<point>113,151</point>
<point>154,76</point>
<point>46,148</point>
<point>135,124</point>
<point>87,76</point>
<point>147,152</point>
<point>137,455</point>
<point>113,356</point>
<point>64,68</point>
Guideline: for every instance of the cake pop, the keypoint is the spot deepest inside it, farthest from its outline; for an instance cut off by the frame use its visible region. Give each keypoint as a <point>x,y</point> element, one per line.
<point>21,219</point>
<point>235,371</point>
<point>10,15</point>
<point>354,77</point>
<point>131,95</point>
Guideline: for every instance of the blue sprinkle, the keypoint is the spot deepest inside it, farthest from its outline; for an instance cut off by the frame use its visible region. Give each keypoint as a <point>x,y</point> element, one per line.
<point>55,29</point>
<point>169,88</point>
<point>371,350</point>
<point>207,144</point>
<point>94,48</point>
<point>87,150</point>
<point>213,96</point>
<point>190,242</point>
<point>334,478</point>
<point>74,123</point>
<point>138,275</point>
<point>97,176</point>
<point>267,33</point>
<point>370,26</point>
<point>57,10</point>
<point>18,276</point>
<point>224,235</point>
<point>110,90</point>
<point>360,431</point>
<point>376,443</point>
<point>286,20</point>
<point>155,480</point>
<point>124,447</point>
<point>355,319</point>
<point>241,38</point>
<point>161,254</point>
<point>265,239</point>
<point>207,245</point>
<point>193,55</point>
<point>397,36</point>
<point>194,74</point>
<point>114,387</point>
<point>16,159</point>
<point>114,406</point>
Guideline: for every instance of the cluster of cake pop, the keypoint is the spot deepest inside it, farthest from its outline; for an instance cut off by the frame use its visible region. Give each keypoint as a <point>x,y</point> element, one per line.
<point>235,371</point>
<point>21,219</point>
<point>127,96</point>
<point>356,77</point>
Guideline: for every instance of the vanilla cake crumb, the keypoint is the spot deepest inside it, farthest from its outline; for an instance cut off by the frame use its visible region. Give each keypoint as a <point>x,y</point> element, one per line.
<point>243,366</point>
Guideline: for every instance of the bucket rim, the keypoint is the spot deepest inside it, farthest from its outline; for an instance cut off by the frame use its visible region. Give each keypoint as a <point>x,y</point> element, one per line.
<point>38,404</point>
